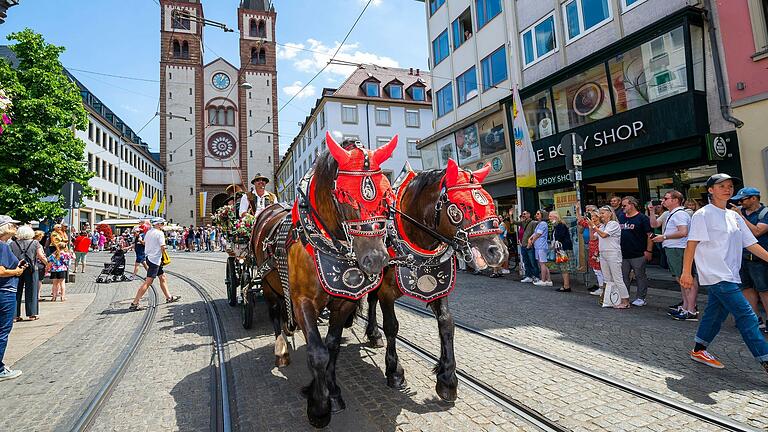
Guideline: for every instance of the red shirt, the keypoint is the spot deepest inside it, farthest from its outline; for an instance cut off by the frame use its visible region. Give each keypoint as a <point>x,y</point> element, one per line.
<point>82,244</point>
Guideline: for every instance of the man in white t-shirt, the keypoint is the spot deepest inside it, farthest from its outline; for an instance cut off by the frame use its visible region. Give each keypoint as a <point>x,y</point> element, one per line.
<point>673,238</point>
<point>154,245</point>
<point>259,197</point>
<point>716,239</point>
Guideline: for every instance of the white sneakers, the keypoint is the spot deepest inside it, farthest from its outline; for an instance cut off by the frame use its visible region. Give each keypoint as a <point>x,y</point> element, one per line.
<point>639,302</point>
<point>543,283</point>
<point>527,280</point>
<point>504,271</point>
<point>597,292</point>
<point>7,374</point>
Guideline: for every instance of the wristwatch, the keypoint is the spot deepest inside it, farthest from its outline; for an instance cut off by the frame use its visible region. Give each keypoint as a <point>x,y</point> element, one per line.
<point>664,237</point>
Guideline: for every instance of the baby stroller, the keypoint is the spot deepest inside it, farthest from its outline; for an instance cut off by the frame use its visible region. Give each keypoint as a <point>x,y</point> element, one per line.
<point>114,271</point>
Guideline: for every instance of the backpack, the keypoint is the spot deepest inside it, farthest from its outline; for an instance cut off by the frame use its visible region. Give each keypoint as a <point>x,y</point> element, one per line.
<point>31,261</point>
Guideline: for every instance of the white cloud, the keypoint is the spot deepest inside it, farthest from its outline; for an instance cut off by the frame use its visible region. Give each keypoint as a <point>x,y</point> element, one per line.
<point>289,50</point>
<point>294,89</point>
<point>311,62</point>
<point>373,3</point>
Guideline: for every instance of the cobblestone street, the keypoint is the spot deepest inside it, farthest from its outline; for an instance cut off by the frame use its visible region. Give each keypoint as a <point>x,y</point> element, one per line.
<point>168,383</point>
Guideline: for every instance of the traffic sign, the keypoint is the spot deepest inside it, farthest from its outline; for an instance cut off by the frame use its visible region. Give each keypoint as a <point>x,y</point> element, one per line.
<point>571,144</point>
<point>73,194</point>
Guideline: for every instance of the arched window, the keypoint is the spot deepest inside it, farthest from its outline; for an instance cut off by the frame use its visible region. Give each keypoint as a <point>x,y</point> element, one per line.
<point>262,56</point>
<point>262,29</point>
<point>212,115</point>
<point>176,49</point>
<point>230,116</point>
<point>253,30</point>
<point>221,116</point>
<point>185,50</point>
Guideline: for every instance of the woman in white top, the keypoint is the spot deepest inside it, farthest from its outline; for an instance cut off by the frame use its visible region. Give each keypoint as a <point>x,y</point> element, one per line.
<point>609,239</point>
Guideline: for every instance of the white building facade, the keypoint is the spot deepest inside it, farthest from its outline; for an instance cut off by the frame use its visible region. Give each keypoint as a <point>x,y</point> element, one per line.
<point>373,105</point>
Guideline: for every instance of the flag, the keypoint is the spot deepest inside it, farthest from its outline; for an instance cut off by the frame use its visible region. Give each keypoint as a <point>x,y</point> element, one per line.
<point>203,197</point>
<point>153,202</point>
<point>525,159</point>
<point>161,210</point>
<point>139,195</point>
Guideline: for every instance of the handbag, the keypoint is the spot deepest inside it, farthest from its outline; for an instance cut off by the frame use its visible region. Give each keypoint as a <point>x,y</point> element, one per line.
<point>611,296</point>
<point>166,260</point>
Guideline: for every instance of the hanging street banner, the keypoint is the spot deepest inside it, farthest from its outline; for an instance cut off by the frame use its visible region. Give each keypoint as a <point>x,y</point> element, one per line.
<point>203,198</point>
<point>139,195</point>
<point>525,159</point>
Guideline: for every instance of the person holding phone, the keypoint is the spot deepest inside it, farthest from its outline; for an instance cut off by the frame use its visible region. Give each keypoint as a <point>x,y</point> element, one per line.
<point>10,270</point>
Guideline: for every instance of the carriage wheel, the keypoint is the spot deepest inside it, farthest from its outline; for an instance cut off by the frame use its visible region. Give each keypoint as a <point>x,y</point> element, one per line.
<point>231,282</point>
<point>246,312</point>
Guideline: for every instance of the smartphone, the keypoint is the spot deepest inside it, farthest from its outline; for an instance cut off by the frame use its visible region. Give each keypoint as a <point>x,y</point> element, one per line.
<point>656,202</point>
<point>652,235</point>
<point>22,263</point>
<point>588,215</point>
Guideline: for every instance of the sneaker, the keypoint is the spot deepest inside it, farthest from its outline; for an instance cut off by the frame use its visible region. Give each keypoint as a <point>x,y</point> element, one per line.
<point>673,312</point>
<point>7,374</point>
<point>706,358</point>
<point>675,308</point>
<point>684,315</point>
<point>541,283</point>
<point>761,324</point>
<point>598,292</point>
<point>504,271</point>
<point>495,275</point>
<point>526,280</point>
<point>639,302</point>
<point>549,283</point>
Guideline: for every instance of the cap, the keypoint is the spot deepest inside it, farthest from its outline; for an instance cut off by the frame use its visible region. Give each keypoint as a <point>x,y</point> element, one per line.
<point>157,221</point>
<point>5,219</point>
<point>745,193</point>
<point>259,177</point>
<point>719,178</point>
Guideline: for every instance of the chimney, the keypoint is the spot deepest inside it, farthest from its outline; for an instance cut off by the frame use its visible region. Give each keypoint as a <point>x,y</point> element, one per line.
<point>410,72</point>
<point>417,72</point>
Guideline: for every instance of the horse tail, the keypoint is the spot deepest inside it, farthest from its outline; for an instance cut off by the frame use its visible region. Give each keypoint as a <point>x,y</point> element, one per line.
<point>351,318</point>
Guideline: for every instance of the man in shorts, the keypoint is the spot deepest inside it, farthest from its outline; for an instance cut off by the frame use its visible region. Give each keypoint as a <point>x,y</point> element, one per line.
<point>754,271</point>
<point>673,238</point>
<point>154,244</point>
<point>716,239</point>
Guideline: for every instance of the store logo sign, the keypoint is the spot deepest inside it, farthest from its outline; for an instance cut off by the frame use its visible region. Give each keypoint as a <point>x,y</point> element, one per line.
<point>615,135</point>
<point>717,146</point>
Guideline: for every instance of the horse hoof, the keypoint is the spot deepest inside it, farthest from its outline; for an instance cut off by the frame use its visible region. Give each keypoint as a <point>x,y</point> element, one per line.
<point>446,393</point>
<point>376,342</point>
<point>320,419</point>
<point>396,381</point>
<point>282,361</point>
<point>337,404</point>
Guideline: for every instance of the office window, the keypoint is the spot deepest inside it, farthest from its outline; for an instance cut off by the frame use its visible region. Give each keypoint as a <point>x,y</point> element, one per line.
<point>372,89</point>
<point>417,93</point>
<point>349,114</point>
<point>434,5</point>
<point>581,16</point>
<point>440,47</point>
<point>412,118</point>
<point>90,131</point>
<point>494,68</point>
<point>444,100</point>
<point>383,117</point>
<point>98,136</point>
<point>382,141</point>
<point>466,85</point>
<point>413,152</point>
<point>539,40</point>
<point>461,28</point>
<point>395,91</point>
<point>486,11</point>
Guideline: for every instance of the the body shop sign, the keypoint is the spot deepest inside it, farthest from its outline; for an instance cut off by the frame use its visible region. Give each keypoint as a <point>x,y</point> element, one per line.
<point>624,132</point>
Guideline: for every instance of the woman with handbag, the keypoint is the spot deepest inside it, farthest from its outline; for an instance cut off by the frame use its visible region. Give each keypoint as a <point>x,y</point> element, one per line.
<point>563,246</point>
<point>539,242</point>
<point>157,258</point>
<point>609,241</point>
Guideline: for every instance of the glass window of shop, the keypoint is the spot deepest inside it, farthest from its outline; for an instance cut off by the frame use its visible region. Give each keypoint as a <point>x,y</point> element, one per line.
<point>538,115</point>
<point>429,157</point>
<point>582,99</point>
<point>491,132</point>
<point>690,181</point>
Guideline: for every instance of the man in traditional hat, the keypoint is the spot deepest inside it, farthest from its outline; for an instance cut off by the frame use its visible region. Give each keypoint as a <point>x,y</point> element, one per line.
<point>258,198</point>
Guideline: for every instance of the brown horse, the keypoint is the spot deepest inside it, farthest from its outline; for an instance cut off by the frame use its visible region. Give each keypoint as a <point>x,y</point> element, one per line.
<point>341,217</point>
<point>441,208</point>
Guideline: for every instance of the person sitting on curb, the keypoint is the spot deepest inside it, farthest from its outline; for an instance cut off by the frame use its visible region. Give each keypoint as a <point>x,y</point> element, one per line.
<point>715,240</point>
<point>154,244</point>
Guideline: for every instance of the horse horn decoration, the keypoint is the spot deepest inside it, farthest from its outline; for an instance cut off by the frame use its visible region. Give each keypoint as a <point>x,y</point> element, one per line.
<point>385,152</point>
<point>482,173</point>
<point>342,156</point>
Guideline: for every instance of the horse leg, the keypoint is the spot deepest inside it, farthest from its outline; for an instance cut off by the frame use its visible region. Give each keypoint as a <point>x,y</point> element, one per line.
<point>372,329</point>
<point>447,382</point>
<point>394,371</point>
<point>341,310</point>
<point>282,356</point>
<point>318,400</point>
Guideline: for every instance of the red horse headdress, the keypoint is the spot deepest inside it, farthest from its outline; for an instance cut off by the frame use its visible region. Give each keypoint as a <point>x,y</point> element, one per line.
<point>467,200</point>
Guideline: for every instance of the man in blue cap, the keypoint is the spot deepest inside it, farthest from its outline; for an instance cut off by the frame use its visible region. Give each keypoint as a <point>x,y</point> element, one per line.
<point>754,271</point>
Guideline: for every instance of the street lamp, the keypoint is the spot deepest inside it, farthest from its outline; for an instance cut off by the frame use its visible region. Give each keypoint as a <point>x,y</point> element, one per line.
<point>246,85</point>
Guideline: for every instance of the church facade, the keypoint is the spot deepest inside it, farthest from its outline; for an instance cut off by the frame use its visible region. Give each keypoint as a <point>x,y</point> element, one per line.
<point>218,121</point>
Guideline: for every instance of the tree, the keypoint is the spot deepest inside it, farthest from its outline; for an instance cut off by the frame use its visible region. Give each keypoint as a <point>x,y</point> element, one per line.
<point>39,150</point>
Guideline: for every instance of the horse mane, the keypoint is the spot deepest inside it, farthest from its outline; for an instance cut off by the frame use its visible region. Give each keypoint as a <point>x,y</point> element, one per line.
<point>326,169</point>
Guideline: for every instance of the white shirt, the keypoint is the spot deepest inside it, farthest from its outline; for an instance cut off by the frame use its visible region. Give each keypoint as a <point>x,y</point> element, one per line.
<point>721,234</point>
<point>260,202</point>
<point>154,241</point>
<point>612,243</point>
<point>677,217</point>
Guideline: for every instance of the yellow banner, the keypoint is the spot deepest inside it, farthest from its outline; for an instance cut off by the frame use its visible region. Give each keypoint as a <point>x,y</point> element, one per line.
<point>161,210</point>
<point>203,197</point>
<point>139,195</point>
<point>153,202</point>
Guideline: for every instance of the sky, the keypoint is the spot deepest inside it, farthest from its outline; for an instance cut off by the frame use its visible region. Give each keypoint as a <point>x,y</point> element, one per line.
<point>123,38</point>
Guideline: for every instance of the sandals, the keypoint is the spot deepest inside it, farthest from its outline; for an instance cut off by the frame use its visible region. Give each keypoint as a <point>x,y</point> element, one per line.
<point>33,318</point>
<point>173,299</point>
<point>17,319</point>
<point>621,307</point>
<point>135,307</point>
<point>562,289</point>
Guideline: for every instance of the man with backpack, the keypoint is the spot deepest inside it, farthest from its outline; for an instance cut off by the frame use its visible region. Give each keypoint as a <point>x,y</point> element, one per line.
<point>754,271</point>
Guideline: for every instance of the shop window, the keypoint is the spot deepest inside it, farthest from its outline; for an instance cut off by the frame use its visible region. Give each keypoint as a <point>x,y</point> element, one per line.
<point>538,115</point>
<point>349,114</point>
<point>582,99</point>
<point>429,157</point>
<point>494,68</point>
<point>691,182</point>
<point>486,11</point>
<point>655,70</point>
<point>445,100</point>
<point>583,16</point>
<point>434,5</point>
<point>467,144</point>
<point>491,133</point>
<point>540,40</point>
<point>413,151</point>
<point>382,117</point>
<point>446,149</point>
<point>412,118</point>
<point>466,85</point>
<point>462,28</point>
<point>440,48</point>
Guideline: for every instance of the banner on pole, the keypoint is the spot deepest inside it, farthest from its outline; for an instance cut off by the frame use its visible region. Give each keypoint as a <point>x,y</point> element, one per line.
<point>161,210</point>
<point>525,159</point>
<point>153,202</point>
<point>203,198</point>
<point>139,195</point>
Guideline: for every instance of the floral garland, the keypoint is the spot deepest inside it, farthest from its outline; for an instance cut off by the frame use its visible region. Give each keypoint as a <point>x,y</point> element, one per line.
<point>244,226</point>
<point>225,218</point>
<point>5,108</point>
